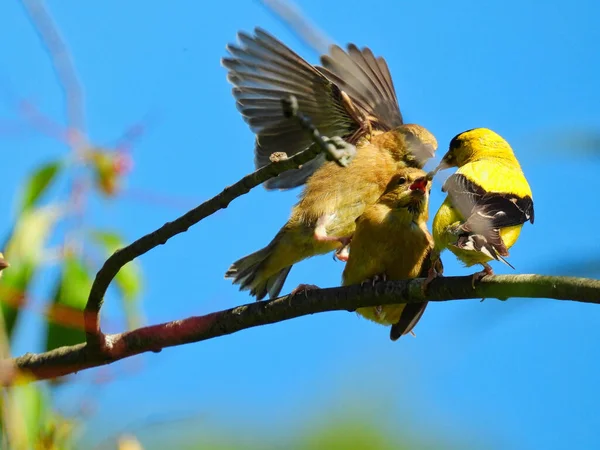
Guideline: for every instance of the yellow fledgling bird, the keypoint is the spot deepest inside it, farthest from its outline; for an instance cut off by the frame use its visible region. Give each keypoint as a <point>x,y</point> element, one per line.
<point>392,242</point>
<point>352,97</point>
<point>488,200</point>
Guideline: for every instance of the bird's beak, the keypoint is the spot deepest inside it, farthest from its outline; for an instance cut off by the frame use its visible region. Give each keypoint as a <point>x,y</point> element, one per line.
<point>3,264</point>
<point>420,184</point>
<point>441,166</point>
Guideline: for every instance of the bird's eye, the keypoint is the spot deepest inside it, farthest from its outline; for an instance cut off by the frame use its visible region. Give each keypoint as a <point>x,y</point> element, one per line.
<point>401,181</point>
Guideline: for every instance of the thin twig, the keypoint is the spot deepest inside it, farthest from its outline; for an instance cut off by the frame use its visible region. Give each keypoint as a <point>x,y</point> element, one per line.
<point>75,134</point>
<point>68,360</point>
<point>64,67</point>
<point>113,264</point>
<point>336,148</point>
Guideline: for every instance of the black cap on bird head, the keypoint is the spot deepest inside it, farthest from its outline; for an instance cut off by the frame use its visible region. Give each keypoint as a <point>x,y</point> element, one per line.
<point>450,159</point>
<point>474,144</point>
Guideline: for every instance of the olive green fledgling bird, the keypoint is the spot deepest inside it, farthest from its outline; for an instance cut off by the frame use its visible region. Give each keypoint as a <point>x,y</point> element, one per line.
<point>392,242</point>
<point>351,96</point>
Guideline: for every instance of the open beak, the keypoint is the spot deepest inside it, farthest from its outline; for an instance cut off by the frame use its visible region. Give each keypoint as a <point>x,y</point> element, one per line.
<point>420,184</point>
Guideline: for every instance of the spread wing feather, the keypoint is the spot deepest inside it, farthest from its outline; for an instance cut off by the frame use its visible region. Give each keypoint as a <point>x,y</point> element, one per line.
<point>367,81</point>
<point>263,71</point>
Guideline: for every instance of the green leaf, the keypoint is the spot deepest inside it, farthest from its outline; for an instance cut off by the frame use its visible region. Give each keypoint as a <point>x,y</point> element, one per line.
<point>31,422</point>
<point>65,321</point>
<point>14,284</point>
<point>22,414</point>
<point>30,405</point>
<point>38,182</point>
<point>29,236</point>
<point>128,281</point>
<point>24,250</point>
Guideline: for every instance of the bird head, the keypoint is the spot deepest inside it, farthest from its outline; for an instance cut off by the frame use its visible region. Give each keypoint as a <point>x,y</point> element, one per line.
<point>420,143</point>
<point>408,188</point>
<point>473,145</point>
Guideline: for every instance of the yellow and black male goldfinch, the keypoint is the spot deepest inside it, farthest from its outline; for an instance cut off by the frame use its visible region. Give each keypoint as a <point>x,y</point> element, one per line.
<point>351,96</point>
<point>392,242</point>
<point>488,200</point>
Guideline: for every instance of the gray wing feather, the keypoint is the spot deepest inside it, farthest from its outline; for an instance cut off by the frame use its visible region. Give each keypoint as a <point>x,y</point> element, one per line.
<point>263,72</point>
<point>366,80</point>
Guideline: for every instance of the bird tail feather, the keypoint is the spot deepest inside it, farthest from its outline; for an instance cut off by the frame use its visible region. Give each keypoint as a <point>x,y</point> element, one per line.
<point>247,273</point>
<point>411,314</point>
<point>479,243</point>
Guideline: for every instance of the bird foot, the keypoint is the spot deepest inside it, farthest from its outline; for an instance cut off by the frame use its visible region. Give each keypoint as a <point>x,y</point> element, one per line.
<point>304,288</point>
<point>342,253</point>
<point>432,274</point>
<point>478,276</point>
<point>320,233</point>
<point>375,279</point>
<point>455,230</point>
<point>339,150</point>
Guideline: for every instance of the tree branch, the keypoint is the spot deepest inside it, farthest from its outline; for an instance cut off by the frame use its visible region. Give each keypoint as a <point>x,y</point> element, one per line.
<point>117,260</point>
<point>68,360</point>
<point>335,147</point>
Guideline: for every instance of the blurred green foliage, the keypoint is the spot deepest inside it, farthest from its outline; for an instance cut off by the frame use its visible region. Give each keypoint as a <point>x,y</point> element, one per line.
<point>347,430</point>
<point>24,249</point>
<point>28,417</point>
<point>30,422</point>
<point>65,324</point>
<point>39,181</point>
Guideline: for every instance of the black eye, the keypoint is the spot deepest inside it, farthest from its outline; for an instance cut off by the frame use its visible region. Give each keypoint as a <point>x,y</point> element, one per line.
<point>401,181</point>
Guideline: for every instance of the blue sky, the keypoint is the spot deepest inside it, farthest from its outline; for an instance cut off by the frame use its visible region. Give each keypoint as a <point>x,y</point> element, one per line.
<point>520,374</point>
